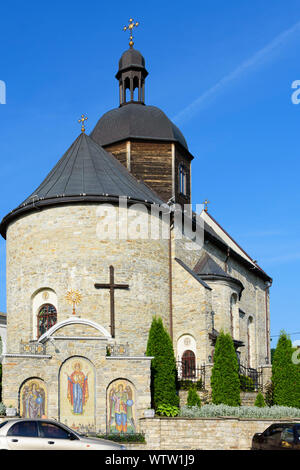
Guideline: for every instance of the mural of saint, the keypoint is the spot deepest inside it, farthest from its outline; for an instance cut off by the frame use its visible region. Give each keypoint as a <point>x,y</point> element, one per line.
<point>78,392</point>
<point>77,387</point>
<point>121,408</point>
<point>33,399</point>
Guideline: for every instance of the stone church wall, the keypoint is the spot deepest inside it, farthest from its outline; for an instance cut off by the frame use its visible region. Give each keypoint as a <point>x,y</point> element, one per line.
<point>191,311</point>
<point>252,304</point>
<point>107,370</point>
<point>60,249</point>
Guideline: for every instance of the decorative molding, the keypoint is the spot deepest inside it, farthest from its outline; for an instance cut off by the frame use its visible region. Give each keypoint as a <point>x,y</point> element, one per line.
<point>32,347</point>
<point>95,338</point>
<point>74,321</point>
<point>36,356</point>
<point>134,358</point>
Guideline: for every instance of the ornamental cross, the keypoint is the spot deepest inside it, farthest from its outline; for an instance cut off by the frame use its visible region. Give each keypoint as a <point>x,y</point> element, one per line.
<point>112,286</point>
<point>130,27</point>
<point>74,298</point>
<point>206,202</point>
<point>82,120</point>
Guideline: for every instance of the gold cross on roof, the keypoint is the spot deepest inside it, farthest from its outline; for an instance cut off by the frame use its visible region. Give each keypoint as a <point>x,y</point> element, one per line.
<point>130,27</point>
<point>82,120</point>
<point>206,202</point>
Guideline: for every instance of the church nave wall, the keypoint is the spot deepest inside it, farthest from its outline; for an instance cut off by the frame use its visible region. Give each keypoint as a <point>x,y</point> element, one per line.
<point>60,250</point>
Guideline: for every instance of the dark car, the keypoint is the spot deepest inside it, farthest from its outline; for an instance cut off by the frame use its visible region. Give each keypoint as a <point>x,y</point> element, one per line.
<point>278,436</point>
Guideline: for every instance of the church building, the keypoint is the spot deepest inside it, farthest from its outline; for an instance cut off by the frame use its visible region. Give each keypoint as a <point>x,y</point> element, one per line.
<point>80,303</point>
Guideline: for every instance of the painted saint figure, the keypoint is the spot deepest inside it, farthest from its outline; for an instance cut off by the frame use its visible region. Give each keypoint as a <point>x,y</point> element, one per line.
<point>121,416</point>
<point>78,389</point>
<point>33,401</point>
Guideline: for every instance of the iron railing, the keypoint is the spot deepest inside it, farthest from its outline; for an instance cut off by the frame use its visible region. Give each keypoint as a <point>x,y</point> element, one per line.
<point>250,379</point>
<point>187,371</point>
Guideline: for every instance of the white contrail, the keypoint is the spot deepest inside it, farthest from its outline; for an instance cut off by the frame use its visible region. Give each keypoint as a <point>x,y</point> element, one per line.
<point>192,108</point>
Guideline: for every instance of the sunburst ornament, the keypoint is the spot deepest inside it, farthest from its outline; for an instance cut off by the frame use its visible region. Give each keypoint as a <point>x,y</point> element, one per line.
<point>74,298</point>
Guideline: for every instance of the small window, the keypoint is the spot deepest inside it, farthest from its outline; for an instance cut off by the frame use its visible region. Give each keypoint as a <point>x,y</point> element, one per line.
<point>182,180</point>
<point>24,429</point>
<point>188,364</point>
<point>53,431</point>
<point>47,317</point>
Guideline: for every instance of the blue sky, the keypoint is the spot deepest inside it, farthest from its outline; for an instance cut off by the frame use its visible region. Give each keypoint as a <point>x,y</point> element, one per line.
<point>222,70</point>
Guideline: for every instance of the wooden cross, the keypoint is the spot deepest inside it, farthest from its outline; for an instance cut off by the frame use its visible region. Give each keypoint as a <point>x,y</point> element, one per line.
<point>130,27</point>
<point>112,286</point>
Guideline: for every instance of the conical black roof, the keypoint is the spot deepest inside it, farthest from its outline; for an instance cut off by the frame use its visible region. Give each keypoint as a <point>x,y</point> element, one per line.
<point>86,172</point>
<point>207,269</point>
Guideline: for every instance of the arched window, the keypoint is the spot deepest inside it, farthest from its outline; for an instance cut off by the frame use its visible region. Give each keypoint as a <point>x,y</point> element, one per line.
<point>182,179</point>
<point>188,364</point>
<point>47,317</point>
<point>250,341</point>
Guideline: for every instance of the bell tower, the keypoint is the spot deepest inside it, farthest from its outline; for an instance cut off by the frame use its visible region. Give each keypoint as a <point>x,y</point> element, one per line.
<point>131,76</point>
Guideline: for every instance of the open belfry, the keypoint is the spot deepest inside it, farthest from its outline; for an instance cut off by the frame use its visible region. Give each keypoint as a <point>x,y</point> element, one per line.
<point>82,291</point>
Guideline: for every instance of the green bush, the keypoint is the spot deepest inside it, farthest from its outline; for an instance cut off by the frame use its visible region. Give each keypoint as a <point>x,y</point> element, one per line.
<point>187,384</point>
<point>285,374</point>
<point>163,366</point>
<point>139,438</point>
<point>167,410</point>
<point>225,382</point>
<point>2,409</point>
<point>260,401</point>
<point>193,398</point>
<point>211,411</point>
<point>269,394</point>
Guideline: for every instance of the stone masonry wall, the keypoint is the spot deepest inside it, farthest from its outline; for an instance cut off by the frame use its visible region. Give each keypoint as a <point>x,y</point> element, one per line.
<point>58,248</point>
<point>200,433</point>
<point>107,369</point>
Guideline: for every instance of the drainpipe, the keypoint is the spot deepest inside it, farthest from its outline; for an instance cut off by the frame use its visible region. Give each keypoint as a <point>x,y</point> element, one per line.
<point>268,284</point>
<point>170,285</point>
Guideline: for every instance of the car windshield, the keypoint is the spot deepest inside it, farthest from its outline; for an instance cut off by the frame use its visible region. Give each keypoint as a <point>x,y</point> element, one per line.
<point>3,423</point>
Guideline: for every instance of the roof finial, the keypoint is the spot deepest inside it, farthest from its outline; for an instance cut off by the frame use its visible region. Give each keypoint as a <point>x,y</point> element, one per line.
<point>206,202</point>
<point>130,27</point>
<point>82,119</point>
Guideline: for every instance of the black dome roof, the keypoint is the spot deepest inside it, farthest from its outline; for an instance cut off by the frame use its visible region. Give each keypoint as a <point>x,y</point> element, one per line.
<point>130,58</point>
<point>136,121</point>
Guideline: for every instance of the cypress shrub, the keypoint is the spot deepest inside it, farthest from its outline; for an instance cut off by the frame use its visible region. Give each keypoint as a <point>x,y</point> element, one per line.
<point>193,398</point>
<point>269,394</point>
<point>285,374</point>
<point>225,382</point>
<point>163,366</point>
<point>260,401</point>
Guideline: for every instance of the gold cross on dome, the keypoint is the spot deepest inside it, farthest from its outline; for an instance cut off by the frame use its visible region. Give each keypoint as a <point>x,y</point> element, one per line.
<point>206,202</point>
<point>132,24</point>
<point>82,120</point>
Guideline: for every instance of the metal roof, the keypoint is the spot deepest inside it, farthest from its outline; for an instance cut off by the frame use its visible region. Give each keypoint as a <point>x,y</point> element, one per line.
<point>85,173</point>
<point>209,270</point>
<point>138,121</point>
<point>206,265</point>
